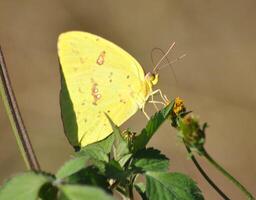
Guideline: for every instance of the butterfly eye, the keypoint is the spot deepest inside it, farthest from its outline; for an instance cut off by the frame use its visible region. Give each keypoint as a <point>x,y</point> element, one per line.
<point>154,79</point>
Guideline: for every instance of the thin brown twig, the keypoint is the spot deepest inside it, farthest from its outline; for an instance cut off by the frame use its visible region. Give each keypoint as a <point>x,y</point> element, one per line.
<point>15,118</point>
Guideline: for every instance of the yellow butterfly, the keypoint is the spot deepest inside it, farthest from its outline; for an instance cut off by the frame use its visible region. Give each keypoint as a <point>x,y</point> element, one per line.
<point>101,78</point>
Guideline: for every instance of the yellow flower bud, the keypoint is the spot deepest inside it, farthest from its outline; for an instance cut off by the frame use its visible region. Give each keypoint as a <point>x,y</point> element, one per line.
<point>178,105</point>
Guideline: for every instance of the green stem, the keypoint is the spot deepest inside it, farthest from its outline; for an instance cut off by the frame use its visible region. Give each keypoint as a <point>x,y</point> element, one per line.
<point>16,121</point>
<point>229,176</point>
<point>204,174</point>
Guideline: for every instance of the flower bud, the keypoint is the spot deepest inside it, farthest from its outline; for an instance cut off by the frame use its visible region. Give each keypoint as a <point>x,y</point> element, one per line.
<point>191,132</point>
<point>178,106</point>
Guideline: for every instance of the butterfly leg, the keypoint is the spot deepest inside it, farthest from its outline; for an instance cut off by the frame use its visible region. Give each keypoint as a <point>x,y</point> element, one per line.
<point>154,103</point>
<point>164,98</point>
<point>157,102</point>
<point>143,110</point>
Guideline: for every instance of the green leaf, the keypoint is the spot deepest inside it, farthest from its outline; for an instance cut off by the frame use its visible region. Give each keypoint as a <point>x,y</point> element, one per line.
<point>105,145</point>
<point>68,114</point>
<point>98,175</point>
<point>150,160</point>
<point>153,124</point>
<point>24,186</point>
<point>90,175</point>
<point>98,153</point>
<point>120,147</point>
<point>125,159</point>
<point>171,186</point>
<point>96,156</point>
<point>72,166</point>
<point>48,192</point>
<point>141,189</point>
<point>77,192</point>
<point>113,170</point>
<point>94,152</point>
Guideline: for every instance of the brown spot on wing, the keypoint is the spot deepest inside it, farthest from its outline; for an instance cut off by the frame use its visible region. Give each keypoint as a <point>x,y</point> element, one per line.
<point>75,51</point>
<point>95,90</point>
<point>122,101</point>
<point>132,93</point>
<point>80,90</point>
<point>72,44</point>
<point>109,76</point>
<point>101,58</point>
<point>81,60</point>
<point>95,93</point>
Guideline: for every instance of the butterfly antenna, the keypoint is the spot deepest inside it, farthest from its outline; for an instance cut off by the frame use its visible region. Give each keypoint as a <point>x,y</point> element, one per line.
<point>164,56</point>
<point>152,53</point>
<point>168,62</point>
<point>172,62</point>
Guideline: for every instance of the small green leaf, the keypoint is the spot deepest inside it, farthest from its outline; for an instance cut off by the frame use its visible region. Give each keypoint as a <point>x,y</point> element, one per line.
<point>113,170</point>
<point>150,160</point>
<point>90,175</point>
<point>120,147</point>
<point>141,189</point>
<point>105,144</point>
<point>94,152</point>
<point>171,186</point>
<point>125,159</point>
<point>24,186</point>
<point>96,155</point>
<point>77,192</point>
<point>48,192</point>
<point>72,166</point>
<point>153,124</point>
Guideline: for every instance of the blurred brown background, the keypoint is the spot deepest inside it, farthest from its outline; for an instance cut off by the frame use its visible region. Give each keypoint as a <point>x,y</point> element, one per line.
<point>216,78</point>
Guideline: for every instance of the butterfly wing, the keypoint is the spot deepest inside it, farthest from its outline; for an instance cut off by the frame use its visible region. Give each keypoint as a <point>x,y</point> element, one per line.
<point>101,78</point>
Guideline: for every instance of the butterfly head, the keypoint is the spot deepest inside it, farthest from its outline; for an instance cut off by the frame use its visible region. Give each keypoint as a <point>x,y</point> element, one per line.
<point>152,78</point>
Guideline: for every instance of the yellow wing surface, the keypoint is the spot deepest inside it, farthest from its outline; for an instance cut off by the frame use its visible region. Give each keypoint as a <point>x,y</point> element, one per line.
<point>100,78</point>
